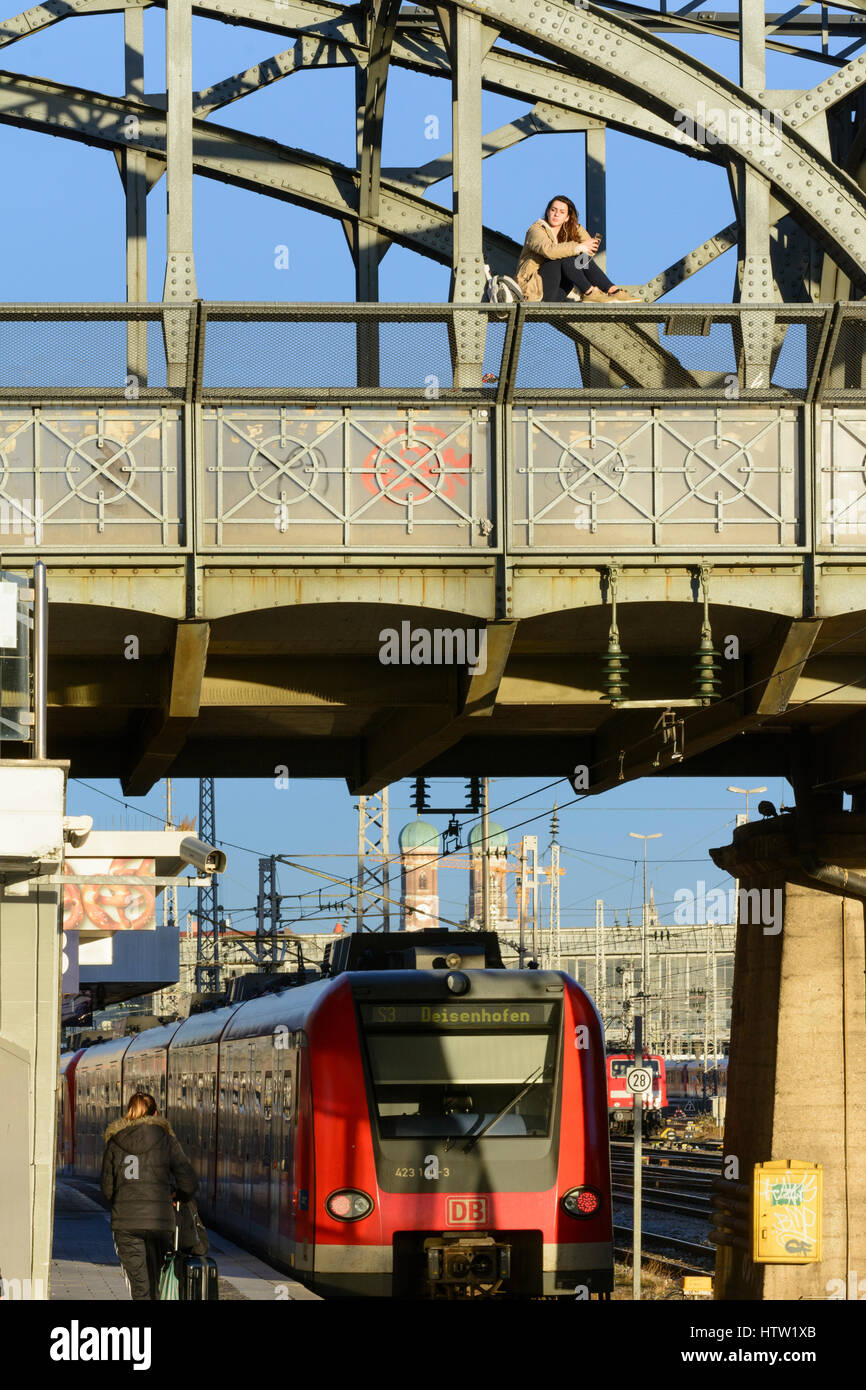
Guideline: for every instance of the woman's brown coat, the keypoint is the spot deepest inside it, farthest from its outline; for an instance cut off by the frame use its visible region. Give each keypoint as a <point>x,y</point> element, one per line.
<point>540,245</point>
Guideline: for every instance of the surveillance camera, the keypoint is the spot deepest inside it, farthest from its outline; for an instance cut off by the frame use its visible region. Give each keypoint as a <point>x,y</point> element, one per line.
<point>205,857</point>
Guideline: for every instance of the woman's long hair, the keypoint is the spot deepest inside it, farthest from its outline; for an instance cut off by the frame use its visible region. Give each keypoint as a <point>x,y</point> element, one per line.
<point>570,228</point>
<point>140,1105</point>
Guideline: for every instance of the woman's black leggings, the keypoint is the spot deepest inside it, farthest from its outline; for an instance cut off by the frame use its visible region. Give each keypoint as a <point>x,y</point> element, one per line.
<point>558,277</point>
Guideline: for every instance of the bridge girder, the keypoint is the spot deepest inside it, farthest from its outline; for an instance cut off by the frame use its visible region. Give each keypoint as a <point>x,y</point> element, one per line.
<point>823,199</point>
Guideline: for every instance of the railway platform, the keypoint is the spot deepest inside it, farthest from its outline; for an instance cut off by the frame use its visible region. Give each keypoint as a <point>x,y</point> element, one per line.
<point>85,1268</point>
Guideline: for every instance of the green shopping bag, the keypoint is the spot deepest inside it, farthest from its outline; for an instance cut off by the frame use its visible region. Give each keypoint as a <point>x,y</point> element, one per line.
<point>169,1288</point>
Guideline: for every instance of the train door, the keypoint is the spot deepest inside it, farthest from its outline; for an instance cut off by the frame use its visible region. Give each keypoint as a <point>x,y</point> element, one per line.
<point>271,1140</point>
<point>233,1139</point>
<point>223,1129</point>
<point>286,1156</point>
<point>243,1147</point>
<point>245,1085</point>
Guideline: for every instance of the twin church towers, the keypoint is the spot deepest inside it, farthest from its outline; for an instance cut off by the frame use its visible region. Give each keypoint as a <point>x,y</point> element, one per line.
<point>420,858</point>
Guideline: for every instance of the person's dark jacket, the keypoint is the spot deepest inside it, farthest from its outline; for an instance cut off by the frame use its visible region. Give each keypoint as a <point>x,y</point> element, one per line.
<point>142,1163</point>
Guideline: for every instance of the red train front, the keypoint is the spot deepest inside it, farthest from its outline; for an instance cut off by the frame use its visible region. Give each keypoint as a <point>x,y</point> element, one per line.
<point>620,1100</point>
<point>462,1144</point>
<point>394,1131</point>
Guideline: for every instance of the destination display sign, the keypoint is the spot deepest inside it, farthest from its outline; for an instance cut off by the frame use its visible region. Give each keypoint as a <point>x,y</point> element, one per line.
<point>490,1014</point>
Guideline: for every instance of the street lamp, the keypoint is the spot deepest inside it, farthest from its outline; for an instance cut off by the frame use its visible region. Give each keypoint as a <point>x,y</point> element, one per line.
<point>746,792</point>
<point>643,927</point>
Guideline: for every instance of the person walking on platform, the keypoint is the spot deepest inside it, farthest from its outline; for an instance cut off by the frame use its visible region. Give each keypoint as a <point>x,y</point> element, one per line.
<point>142,1163</point>
<point>556,261</point>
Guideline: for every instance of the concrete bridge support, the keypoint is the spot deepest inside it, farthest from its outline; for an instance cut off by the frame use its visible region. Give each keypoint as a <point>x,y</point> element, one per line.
<point>797,1085</point>
<point>32,793</point>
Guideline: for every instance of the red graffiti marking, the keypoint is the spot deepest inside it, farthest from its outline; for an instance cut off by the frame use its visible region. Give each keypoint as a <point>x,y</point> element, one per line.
<point>421,467</point>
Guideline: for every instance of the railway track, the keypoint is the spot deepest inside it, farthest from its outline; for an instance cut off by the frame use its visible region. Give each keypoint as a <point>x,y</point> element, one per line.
<point>678,1188</point>
<point>709,1160</point>
<point>683,1257</point>
<point>696,1206</point>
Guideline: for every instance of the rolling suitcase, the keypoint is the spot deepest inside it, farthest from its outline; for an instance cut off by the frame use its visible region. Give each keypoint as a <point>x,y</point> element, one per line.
<point>198,1277</point>
<point>188,1277</point>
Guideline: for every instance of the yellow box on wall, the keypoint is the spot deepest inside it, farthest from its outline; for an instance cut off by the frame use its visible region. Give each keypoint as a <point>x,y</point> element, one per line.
<point>786,1212</point>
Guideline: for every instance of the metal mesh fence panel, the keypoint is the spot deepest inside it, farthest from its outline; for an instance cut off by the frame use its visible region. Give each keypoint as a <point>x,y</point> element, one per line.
<point>685,351</point>
<point>383,348</point>
<point>82,352</point>
<point>846,372</point>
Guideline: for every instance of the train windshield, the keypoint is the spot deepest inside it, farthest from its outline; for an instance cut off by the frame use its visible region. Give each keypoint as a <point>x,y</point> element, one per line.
<point>621,1066</point>
<point>443,1071</point>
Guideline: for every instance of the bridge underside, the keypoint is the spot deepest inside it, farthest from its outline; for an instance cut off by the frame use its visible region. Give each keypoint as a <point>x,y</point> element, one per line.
<point>248,579</point>
<point>298,683</point>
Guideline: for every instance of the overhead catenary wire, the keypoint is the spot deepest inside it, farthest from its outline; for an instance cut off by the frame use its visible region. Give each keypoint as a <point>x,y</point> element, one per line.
<point>630,748</point>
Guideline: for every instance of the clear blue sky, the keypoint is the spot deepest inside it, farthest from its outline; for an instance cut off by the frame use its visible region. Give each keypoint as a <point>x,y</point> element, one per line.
<point>62,240</point>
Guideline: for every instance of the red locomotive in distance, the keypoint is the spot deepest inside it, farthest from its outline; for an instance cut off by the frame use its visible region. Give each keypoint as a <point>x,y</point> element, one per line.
<point>419,1123</point>
<point>620,1101</point>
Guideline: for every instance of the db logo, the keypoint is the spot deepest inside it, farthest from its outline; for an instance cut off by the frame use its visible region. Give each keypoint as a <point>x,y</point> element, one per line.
<point>466,1211</point>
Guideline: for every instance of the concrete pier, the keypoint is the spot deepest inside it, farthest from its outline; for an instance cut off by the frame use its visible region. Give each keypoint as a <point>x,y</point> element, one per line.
<point>796,1081</point>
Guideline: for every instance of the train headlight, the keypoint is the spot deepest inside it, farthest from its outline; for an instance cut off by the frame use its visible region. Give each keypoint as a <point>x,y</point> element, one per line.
<point>457,982</point>
<point>582,1202</point>
<point>348,1204</point>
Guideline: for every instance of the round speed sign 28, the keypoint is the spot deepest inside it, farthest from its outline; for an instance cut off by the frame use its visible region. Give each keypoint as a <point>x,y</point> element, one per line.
<point>639,1080</point>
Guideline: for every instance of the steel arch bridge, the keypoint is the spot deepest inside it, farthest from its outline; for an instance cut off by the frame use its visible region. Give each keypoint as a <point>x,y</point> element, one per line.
<point>257,531</point>
<point>796,160</point>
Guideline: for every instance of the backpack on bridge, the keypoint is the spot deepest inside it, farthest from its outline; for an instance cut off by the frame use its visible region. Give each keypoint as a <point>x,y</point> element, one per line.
<point>502,289</point>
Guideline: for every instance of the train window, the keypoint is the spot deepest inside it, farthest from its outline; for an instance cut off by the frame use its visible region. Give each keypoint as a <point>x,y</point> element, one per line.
<point>621,1066</point>
<point>432,1082</point>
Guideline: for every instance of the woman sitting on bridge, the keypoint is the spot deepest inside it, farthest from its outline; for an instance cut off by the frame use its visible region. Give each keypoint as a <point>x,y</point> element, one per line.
<point>556,260</point>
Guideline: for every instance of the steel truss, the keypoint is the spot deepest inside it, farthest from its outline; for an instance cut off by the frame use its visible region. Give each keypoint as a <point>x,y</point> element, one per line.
<point>794,160</point>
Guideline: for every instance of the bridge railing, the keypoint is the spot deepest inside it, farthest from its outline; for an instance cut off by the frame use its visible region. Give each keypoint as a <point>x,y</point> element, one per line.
<point>406,352</point>
<point>243,429</point>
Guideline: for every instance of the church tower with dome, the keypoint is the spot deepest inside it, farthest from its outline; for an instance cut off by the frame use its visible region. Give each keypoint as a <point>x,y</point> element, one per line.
<point>419,863</point>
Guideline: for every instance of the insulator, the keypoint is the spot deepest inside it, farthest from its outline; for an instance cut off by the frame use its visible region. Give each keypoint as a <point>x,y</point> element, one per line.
<point>473,795</point>
<point>707,670</point>
<point>419,794</point>
<point>615,679</point>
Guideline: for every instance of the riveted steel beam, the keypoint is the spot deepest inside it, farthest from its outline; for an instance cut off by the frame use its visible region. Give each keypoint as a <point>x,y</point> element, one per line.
<point>180,281</point>
<point>331,28</point>
<point>307,52</point>
<point>820,195</point>
<point>133,171</point>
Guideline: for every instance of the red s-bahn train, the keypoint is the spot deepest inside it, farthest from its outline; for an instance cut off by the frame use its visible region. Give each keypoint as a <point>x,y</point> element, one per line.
<point>420,1123</point>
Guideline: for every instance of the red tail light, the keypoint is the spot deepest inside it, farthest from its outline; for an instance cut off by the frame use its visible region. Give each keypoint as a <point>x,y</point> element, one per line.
<point>582,1202</point>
